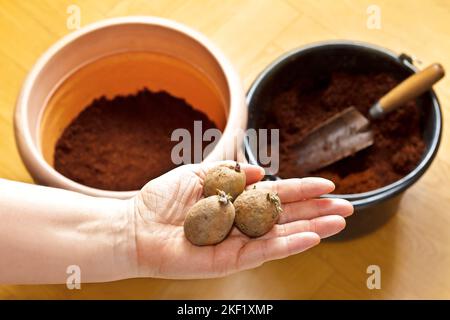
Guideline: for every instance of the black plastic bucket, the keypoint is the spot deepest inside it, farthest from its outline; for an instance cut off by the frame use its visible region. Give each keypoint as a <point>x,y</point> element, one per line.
<point>375,207</point>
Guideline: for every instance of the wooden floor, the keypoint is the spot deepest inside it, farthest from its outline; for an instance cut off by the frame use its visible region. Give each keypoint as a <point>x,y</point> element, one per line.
<point>412,249</point>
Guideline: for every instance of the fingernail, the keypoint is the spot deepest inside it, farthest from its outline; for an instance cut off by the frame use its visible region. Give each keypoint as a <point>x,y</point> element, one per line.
<point>263,172</point>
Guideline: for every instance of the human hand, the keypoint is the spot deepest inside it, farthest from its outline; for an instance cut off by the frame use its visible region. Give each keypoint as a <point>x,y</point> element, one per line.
<point>161,249</point>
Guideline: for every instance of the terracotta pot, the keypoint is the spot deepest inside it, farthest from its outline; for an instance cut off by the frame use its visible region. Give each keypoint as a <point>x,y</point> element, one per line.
<point>121,56</point>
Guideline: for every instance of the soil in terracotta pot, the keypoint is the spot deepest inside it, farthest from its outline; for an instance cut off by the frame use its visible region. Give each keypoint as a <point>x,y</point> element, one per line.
<point>398,145</point>
<point>122,143</point>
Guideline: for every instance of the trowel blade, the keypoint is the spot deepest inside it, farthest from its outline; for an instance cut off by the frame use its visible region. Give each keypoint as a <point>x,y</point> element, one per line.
<point>339,137</point>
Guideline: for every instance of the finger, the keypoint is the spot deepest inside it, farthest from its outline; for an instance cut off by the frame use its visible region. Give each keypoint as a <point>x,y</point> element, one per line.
<point>258,251</point>
<point>326,226</point>
<point>252,172</point>
<point>312,208</point>
<point>290,190</point>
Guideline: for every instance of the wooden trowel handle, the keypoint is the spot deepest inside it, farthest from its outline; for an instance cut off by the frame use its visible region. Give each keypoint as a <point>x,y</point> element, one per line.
<point>407,90</point>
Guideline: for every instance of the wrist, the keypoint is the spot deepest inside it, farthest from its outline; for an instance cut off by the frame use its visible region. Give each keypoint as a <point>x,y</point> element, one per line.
<point>119,216</point>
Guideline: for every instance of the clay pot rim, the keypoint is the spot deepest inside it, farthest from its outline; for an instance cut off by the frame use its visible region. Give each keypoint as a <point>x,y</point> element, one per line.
<point>369,198</point>
<point>44,173</point>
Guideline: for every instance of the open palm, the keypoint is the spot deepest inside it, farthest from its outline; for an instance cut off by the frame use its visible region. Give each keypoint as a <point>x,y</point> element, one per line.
<point>160,208</point>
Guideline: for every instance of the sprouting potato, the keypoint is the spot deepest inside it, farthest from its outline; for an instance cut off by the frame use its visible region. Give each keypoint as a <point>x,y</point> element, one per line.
<point>225,177</point>
<point>210,220</point>
<point>257,211</point>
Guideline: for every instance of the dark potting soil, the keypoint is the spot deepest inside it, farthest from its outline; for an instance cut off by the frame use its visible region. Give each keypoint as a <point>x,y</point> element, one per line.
<point>122,143</point>
<point>398,145</point>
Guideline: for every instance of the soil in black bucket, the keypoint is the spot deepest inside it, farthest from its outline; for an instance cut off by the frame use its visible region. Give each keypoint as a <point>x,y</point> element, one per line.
<point>398,146</point>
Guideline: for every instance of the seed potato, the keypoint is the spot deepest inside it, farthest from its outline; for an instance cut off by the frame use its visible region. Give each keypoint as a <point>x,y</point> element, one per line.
<point>210,220</point>
<point>257,211</point>
<point>226,177</point>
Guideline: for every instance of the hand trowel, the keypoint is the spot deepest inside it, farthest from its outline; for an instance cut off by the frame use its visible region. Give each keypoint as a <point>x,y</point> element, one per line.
<point>348,132</point>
